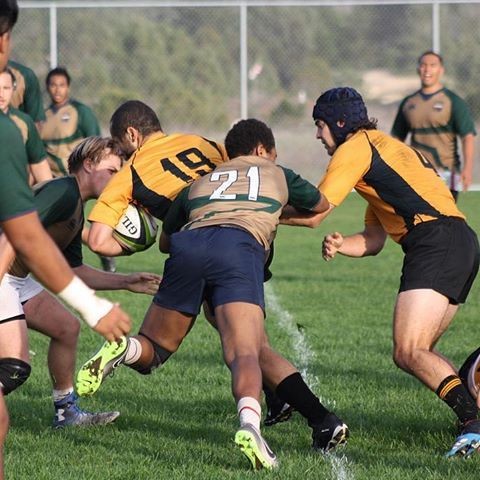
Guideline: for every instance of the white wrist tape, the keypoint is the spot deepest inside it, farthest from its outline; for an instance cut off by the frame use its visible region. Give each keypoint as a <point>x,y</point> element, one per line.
<point>83,299</point>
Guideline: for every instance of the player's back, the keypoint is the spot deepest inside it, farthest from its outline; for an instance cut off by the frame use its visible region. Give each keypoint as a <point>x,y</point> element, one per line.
<point>156,173</point>
<point>248,192</point>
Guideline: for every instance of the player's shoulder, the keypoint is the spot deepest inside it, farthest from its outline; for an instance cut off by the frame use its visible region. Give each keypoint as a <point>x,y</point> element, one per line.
<point>23,69</point>
<point>25,117</point>
<point>454,97</point>
<point>411,96</point>
<point>80,106</point>
<point>64,188</point>
<point>8,130</point>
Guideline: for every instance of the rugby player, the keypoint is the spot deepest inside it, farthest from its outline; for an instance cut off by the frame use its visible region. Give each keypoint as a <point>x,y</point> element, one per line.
<point>60,205</point>
<point>408,201</point>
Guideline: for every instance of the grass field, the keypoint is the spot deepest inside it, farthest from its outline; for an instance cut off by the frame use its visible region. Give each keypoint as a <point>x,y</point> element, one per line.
<point>333,320</point>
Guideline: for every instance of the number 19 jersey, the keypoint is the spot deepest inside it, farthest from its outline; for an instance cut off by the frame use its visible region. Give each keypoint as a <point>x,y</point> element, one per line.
<point>155,174</point>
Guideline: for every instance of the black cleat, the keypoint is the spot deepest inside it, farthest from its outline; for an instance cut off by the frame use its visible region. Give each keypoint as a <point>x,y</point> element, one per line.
<point>329,434</point>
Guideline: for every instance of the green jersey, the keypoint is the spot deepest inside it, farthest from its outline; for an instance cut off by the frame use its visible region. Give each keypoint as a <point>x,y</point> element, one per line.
<point>60,209</point>
<point>247,192</point>
<point>31,139</point>
<point>27,96</point>
<point>16,198</point>
<point>64,128</point>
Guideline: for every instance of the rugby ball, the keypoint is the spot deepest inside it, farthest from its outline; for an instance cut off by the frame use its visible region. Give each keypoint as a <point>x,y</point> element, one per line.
<point>136,230</point>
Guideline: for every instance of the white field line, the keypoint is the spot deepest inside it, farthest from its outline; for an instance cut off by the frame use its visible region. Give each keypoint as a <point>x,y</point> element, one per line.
<point>302,358</point>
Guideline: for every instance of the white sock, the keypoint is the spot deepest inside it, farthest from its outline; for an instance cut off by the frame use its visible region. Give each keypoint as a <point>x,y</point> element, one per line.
<point>134,350</point>
<point>61,394</point>
<point>249,411</point>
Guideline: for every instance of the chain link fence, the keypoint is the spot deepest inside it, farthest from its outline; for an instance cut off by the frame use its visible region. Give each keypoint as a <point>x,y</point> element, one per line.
<point>202,65</point>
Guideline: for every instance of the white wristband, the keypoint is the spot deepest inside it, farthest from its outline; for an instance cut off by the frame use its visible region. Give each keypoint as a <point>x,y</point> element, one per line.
<point>83,299</point>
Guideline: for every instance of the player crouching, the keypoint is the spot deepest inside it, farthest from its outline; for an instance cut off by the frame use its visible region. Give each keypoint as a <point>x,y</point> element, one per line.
<point>26,304</point>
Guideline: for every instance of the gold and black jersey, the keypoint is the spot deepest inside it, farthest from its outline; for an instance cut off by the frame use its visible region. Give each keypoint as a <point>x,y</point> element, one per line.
<point>155,174</point>
<point>401,187</point>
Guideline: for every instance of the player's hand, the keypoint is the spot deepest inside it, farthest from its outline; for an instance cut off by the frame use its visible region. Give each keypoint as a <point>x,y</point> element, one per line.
<point>331,244</point>
<point>115,324</point>
<point>143,282</point>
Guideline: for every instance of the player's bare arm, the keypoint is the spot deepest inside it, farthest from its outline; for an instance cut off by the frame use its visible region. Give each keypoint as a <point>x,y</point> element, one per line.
<point>101,240</point>
<point>362,244</point>
<point>139,282</point>
<point>468,147</point>
<point>7,255</point>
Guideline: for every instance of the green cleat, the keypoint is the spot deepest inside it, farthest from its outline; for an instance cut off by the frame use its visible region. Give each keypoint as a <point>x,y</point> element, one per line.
<point>103,363</point>
<point>255,448</point>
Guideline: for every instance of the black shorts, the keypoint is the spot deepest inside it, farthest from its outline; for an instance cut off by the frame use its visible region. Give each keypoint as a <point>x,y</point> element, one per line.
<point>441,255</point>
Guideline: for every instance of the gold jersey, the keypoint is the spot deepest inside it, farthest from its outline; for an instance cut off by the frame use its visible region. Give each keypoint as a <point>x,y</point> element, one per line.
<point>155,174</point>
<point>401,187</point>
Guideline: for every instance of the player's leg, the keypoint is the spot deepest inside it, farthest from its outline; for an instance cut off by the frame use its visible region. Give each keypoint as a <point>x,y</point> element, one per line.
<point>240,326</point>
<point>421,316</point>
<point>328,430</point>
<point>14,357</point>
<point>164,325</point>
<point>45,314</point>
<point>4,424</point>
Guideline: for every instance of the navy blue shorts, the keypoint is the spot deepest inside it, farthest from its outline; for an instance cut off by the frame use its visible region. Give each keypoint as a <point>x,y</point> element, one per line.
<point>219,264</point>
<point>441,255</point>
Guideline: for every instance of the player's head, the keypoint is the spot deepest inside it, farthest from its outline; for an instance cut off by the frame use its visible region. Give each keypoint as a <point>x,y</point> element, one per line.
<point>131,123</point>
<point>58,85</point>
<point>7,87</point>
<point>93,162</point>
<point>430,69</point>
<point>8,18</point>
<point>343,110</point>
<point>250,137</point>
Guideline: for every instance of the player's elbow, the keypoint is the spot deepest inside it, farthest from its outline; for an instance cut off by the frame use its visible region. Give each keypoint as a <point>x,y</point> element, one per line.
<point>95,244</point>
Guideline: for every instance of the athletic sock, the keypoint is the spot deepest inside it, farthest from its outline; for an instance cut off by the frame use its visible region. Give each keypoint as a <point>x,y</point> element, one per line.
<point>294,391</point>
<point>134,350</point>
<point>457,397</point>
<point>249,411</point>
<point>59,395</point>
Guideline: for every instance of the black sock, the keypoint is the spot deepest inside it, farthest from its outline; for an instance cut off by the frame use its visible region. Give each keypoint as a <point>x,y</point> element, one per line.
<point>457,397</point>
<point>294,391</point>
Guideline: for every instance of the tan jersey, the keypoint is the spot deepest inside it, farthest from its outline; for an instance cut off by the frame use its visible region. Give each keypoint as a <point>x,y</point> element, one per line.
<point>63,129</point>
<point>401,187</point>
<point>435,121</point>
<point>246,192</point>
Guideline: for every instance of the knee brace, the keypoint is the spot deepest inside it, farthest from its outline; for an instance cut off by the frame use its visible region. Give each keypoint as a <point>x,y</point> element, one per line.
<point>160,356</point>
<point>13,374</point>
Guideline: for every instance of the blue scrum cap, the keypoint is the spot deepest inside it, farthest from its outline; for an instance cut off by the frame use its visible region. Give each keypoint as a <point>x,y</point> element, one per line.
<point>344,104</point>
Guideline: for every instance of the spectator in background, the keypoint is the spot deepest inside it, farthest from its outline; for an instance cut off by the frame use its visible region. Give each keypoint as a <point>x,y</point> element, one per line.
<point>37,157</point>
<point>435,116</point>
<point>67,123</point>
<point>27,96</point>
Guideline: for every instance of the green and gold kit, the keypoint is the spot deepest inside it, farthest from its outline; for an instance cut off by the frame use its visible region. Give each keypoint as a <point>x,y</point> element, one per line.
<point>434,122</point>
<point>27,96</point>
<point>64,128</point>
<point>31,139</point>
<point>16,198</point>
<point>246,192</point>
